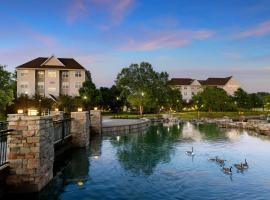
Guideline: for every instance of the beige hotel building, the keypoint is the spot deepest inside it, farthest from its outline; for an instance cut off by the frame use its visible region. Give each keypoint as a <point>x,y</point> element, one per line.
<point>55,76</point>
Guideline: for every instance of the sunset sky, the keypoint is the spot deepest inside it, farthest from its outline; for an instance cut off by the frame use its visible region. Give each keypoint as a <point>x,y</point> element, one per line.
<point>197,39</point>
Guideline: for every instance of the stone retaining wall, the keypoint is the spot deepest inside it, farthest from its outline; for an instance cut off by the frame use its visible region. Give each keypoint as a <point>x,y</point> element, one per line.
<point>128,128</point>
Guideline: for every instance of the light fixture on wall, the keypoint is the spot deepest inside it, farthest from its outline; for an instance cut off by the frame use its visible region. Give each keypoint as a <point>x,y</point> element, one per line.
<point>95,108</point>
<point>56,109</point>
<point>80,109</point>
<point>20,111</point>
<point>32,112</point>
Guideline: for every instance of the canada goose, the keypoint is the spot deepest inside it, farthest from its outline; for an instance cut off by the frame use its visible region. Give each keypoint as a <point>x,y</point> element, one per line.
<point>220,161</point>
<point>190,153</point>
<point>239,166</point>
<point>214,159</point>
<point>227,170</point>
<point>245,164</point>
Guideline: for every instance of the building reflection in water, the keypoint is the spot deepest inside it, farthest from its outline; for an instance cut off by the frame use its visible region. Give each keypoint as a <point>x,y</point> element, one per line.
<point>189,132</point>
<point>95,145</point>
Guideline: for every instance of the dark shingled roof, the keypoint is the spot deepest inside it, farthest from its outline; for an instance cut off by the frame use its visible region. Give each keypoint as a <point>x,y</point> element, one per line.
<point>69,63</point>
<point>180,81</point>
<point>215,81</point>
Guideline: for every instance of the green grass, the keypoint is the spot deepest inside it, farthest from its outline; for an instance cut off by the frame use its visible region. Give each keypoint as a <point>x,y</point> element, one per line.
<point>187,115</point>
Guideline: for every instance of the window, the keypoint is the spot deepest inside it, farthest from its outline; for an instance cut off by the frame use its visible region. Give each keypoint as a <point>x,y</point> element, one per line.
<point>40,85</point>
<point>65,85</point>
<point>24,86</point>
<point>40,74</point>
<point>65,74</point>
<point>78,74</point>
<point>192,93</point>
<point>185,93</point>
<point>52,74</point>
<point>185,88</point>
<point>24,72</point>
<point>52,82</point>
<point>51,89</point>
<point>78,85</point>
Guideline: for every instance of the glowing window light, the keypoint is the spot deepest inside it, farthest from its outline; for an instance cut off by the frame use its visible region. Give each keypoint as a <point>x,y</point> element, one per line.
<point>32,112</point>
<point>20,111</point>
<point>80,109</point>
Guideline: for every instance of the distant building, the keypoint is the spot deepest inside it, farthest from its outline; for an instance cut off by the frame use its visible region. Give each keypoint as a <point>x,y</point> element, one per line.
<point>189,87</point>
<point>56,76</point>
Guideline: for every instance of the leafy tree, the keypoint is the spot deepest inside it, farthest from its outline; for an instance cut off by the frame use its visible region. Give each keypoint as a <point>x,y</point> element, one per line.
<point>111,99</point>
<point>213,99</point>
<point>266,102</point>
<point>175,100</point>
<point>89,94</point>
<point>256,101</point>
<point>143,87</point>
<point>6,92</point>
<point>242,99</point>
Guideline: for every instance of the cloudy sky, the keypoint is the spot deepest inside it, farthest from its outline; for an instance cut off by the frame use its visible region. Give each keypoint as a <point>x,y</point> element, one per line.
<point>186,38</point>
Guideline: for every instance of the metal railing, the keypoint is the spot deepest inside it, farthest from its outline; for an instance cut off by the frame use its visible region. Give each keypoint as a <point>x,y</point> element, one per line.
<point>3,145</point>
<point>3,125</point>
<point>61,129</point>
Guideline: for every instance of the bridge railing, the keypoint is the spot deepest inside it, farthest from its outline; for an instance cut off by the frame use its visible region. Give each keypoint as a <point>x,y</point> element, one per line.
<point>3,145</point>
<point>61,129</point>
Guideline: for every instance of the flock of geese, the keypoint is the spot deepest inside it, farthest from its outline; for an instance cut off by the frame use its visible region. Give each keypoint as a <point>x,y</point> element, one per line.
<point>228,170</point>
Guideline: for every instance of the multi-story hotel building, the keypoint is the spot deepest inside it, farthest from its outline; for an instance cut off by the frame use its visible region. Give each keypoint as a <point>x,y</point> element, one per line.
<point>189,87</point>
<point>55,76</point>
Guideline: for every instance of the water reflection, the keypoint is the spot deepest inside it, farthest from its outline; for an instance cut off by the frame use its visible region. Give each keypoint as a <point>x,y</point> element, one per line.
<point>147,149</point>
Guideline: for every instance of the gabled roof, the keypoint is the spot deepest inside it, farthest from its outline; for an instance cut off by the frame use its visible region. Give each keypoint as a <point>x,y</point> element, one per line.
<point>180,81</point>
<point>215,81</point>
<point>45,62</point>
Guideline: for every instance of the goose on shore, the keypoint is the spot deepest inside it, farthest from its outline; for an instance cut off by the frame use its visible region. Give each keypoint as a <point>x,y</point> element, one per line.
<point>190,153</point>
<point>227,170</point>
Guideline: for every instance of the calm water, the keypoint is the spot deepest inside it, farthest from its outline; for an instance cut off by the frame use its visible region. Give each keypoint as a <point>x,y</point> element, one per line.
<point>153,165</point>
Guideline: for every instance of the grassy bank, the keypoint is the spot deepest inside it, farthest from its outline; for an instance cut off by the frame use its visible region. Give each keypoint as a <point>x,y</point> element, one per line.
<point>188,115</point>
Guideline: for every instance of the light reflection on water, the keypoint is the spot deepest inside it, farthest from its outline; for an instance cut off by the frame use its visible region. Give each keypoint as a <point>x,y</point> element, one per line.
<point>153,165</point>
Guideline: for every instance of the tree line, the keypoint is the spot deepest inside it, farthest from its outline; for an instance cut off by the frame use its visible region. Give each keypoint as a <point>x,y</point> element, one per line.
<point>138,88</point>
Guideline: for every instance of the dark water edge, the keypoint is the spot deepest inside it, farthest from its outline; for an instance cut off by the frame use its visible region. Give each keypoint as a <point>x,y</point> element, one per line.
<point>153,165</point>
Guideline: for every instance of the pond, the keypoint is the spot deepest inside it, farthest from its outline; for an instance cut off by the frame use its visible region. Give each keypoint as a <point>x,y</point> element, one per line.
<point>154,165</point>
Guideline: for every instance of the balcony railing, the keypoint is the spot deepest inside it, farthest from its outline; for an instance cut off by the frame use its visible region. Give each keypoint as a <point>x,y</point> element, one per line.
<point>3,145</point>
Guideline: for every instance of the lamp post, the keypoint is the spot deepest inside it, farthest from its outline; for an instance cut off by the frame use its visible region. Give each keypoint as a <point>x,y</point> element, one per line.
<point>141,106</point>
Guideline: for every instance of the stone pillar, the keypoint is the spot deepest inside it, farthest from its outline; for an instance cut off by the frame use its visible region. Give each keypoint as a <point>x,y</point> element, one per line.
<point>30,152</point>
<point>57,115</point>
<point>96,121</point>
<point>80,129</point>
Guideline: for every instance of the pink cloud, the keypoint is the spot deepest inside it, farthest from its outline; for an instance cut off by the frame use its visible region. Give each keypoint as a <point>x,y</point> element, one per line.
<point>259,30</point>
<point>75,10</point>
<point>165,39</point>
<point>115,10</point>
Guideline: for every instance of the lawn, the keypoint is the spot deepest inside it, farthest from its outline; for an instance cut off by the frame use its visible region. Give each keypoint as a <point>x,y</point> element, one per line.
<point>187,115</point>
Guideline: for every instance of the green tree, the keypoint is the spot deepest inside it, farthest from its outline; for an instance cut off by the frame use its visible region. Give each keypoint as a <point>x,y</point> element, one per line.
<point>143,87</point>
<point>242,99</point>
<point>89,94</point>
<point>6,92</point>
<point>256,101</point>
<point>266,102</point>
<point>213,99</point>
<point>175,101</point>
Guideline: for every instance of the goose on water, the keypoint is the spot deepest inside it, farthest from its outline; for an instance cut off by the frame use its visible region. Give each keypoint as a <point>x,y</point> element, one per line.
<point>227,170</point>
<point>245,164</point>
<point>239,166</point>
<point>214,159</point>
<point>220,161</point>
<point>190,153</point>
